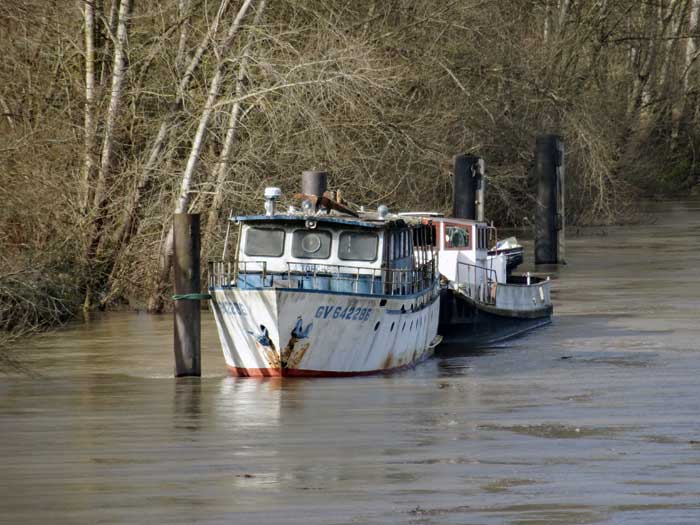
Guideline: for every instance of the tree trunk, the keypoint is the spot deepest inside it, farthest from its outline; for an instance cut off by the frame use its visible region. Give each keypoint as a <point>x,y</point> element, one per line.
<point>90,132</point>
<point>667,88</point>
<point>688,110</point>
<point>111,34</point>
<point>563,13</point>
<point>126,227</point>
<point>230,139</point>
<point>691,49</point>
<point>643,68</point>
<point>115,104</point>
<point>183,7</point>
<point>165,258</point>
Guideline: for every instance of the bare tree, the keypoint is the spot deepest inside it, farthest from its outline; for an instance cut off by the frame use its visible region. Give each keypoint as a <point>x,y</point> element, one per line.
<point>90,132</point>
<point>108,138</point>
<point>224,162</point>
<point>130,216</point>
<point>155,303</point>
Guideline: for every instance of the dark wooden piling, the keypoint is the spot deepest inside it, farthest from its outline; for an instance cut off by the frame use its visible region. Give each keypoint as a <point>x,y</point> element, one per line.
<point>468,194</point>
<point>187,315</point>
<point>549,215</point>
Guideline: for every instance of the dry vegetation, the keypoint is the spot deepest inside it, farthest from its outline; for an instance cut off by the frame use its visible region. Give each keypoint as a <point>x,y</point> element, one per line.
<point>115,113</point>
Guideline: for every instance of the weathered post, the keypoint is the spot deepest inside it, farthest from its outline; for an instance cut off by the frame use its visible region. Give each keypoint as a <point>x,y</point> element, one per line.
<point>187,291</point>
<point>549,215</point>
<point>468,188</point>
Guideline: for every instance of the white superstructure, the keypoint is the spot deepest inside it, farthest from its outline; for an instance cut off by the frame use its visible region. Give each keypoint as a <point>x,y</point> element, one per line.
<point>320,292</point>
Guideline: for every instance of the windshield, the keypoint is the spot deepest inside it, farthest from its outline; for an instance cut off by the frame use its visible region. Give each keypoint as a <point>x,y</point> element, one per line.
<point>264,242</point>
<point>358,246</point>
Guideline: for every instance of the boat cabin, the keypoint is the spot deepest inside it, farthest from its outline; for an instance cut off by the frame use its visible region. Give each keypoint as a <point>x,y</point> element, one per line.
<point>330,252</point>
<point>463,248</point>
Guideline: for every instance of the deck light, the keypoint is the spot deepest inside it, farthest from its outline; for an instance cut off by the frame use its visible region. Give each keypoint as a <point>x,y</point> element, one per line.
<point>272,194</point>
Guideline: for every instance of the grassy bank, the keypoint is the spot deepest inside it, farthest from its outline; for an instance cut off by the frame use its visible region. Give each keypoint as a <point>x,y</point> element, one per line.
<point>36,293</point>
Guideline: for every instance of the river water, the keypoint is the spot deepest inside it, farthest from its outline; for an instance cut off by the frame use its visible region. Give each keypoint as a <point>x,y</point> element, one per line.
<point>593,419</point>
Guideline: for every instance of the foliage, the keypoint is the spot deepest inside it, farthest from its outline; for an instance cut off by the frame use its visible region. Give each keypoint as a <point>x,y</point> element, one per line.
<point>380,93</point>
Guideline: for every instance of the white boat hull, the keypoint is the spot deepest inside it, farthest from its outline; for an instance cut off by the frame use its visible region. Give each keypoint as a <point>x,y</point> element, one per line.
<point>286,332</point>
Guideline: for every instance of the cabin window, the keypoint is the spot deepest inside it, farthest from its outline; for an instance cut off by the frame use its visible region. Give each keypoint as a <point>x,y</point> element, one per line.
<point>264,242</point>
<point>311,244</point>
<point>482,238</point>
<point>456,237</point>
<point>358,246</point>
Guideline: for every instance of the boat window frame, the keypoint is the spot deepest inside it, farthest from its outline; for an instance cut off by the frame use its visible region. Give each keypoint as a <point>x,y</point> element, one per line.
<point>315,230</point>
<point>346,232</point>
<point>482,240</point>
<point>470,235</point>
<point>265,228</point>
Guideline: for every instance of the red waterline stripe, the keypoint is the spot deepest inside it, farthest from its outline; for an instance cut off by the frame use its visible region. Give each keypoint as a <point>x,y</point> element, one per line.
<point>297,372</point>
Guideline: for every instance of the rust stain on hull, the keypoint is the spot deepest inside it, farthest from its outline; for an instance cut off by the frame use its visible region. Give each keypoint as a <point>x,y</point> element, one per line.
<point>297,356</point>
<point>300,372</point>
<point>387,363</point>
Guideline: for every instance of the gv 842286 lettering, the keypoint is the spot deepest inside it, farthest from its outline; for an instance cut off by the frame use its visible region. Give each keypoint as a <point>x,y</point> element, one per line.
<point>349,313</point>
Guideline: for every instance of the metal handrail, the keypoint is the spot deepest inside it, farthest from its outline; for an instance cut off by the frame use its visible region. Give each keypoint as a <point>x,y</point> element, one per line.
<point>481,282</point>
<point>381,281</point>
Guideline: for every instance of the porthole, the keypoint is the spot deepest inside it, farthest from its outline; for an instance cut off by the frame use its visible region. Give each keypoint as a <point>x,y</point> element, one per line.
<point>376,326</point>
<point>392,327</point>
<point>311,243</point>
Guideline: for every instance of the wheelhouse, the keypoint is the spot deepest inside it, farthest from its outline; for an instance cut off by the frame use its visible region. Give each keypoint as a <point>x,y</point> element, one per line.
<point>331,253</point>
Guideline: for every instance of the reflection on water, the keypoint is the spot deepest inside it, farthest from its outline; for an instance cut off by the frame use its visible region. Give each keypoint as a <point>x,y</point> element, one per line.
<point>592,419</point>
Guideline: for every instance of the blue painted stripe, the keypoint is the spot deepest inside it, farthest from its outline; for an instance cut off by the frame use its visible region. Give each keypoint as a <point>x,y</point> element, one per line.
<point>317,218</point>
<point>326,292</point>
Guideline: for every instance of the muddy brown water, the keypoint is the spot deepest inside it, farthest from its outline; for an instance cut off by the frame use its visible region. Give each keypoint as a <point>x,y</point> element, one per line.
<point>594,419</point>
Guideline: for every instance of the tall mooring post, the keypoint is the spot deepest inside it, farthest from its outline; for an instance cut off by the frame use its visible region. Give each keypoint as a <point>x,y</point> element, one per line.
<point>549,215</point>
<point>468,193</point>
<point>187,315</point>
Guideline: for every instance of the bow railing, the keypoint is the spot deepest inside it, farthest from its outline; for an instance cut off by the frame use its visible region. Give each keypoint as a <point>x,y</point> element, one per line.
<point>323,277</point>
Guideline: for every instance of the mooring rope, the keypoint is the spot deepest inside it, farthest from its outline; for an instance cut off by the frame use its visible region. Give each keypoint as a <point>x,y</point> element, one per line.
<point>191,296</point>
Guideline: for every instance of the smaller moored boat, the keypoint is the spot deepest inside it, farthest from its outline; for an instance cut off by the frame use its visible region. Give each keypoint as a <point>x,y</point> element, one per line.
<point>481,300</point>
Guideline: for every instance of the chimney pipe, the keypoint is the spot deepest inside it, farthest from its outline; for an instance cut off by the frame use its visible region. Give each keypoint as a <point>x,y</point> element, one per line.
<point>314,182</point>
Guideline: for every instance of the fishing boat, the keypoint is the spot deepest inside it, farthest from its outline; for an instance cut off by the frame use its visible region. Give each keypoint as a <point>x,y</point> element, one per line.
<point>326,290</point>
